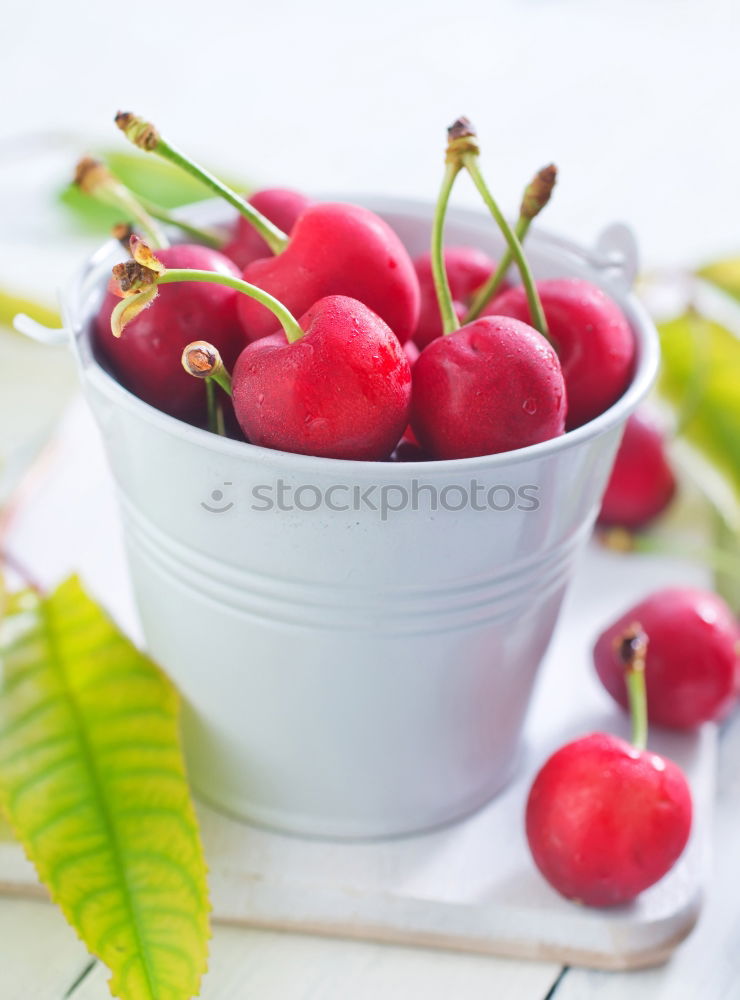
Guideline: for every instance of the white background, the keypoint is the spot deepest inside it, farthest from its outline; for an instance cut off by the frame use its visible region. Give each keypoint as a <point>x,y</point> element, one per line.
<point>636,100</point>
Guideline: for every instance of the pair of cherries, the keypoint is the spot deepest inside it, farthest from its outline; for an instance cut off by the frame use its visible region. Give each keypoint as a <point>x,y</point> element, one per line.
<point>606,819</point>
<point>342,387</point>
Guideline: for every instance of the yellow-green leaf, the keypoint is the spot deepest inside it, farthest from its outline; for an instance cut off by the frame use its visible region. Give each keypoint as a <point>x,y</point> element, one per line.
<point>701,379</point>
<point>93,783</point>
<point>11,305</point>
<point>725,274</point>
<point>160,182</point>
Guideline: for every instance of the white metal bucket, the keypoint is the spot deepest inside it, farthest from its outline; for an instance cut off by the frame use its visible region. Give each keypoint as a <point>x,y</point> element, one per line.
<point>353,672</point>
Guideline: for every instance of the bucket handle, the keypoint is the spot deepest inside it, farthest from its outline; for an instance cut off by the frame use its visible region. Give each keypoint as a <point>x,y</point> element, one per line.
<point>615,253</point>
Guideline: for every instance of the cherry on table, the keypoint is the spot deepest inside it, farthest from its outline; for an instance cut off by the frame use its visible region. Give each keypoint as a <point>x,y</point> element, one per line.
<point>642,483</point>
<point>606,819</point>
<point>693,659</point>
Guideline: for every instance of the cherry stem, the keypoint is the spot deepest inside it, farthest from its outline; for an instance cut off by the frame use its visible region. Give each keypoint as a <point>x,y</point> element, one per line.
<point>469,159</point>
<point>215,410</point>
<point>202,360</point>
<point>450,322</point>
<point>487,291</point>
<point>144,135</point>
<point>632,650</point>
<point>93,178</point>
<point>536,195</point>
<point>205,236</point>
<point>286,319</point>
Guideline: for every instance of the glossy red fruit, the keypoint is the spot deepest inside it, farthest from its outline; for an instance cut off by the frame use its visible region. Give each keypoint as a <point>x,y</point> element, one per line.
<point>467,269</point>
<point>336,249</point>
<point>491,386</point>
<point>642,483</point>
<point>340,391</point>
<point>146,358</point>
<point>594,342</point>
<point>605,821</point>
<point>281,206</point>
<point>693,657</point>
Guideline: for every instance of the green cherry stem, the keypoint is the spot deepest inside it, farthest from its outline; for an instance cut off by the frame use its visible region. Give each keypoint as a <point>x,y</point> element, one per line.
<point>215,411</point>
<point>536,196</point>
<point>450,322</point>
<point>205,236</point>
<point>632,649</point>
<point>202,360</point>
<point>93,178</point>
<point>470,162</point>
<point>144,135</point>
<point>286,319</point>
<point>467,152</point>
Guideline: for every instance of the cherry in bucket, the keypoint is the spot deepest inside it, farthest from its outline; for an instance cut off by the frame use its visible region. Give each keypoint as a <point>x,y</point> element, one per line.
<point>472,276</point>
<point>147,359</point>
<point>334,249</point>
<point>494,384</point>
<point>642,483</point>
<point>336,384</point>
<point>693,661</point>
<point>467,269</point>
<point>282,206</point>
<point>606,819</point>
<point>594,342</point>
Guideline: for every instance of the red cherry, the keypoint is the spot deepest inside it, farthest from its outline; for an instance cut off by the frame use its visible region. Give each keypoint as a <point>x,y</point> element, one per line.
<point>595,344</point>
<point>491,386</point>
<point>642,483</point>
<point>467,269</point>
<point>336,249</point>
<point>693,657</point>
<point>146,358</point>
<point>340,391</point>
<point>281,206</point>
<point>605,821</point>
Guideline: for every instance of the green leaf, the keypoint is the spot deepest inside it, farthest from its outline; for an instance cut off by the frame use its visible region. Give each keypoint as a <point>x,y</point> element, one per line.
<point>725,274</point>
<point>147,176</point>
<point>11,304</point>
<point>700,378</point>
<point>93,783</point>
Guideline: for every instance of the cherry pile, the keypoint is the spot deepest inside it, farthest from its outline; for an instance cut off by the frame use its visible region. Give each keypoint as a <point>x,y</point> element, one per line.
<point>340,345</point>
